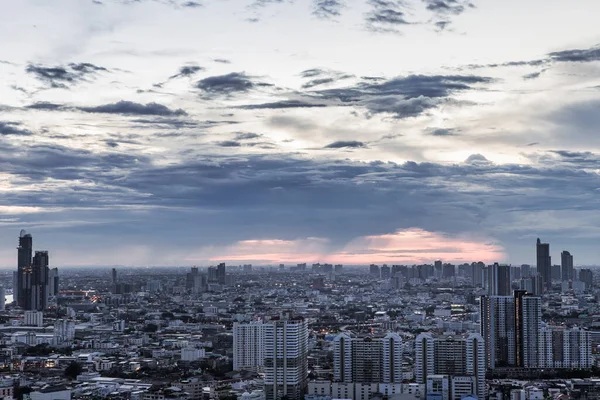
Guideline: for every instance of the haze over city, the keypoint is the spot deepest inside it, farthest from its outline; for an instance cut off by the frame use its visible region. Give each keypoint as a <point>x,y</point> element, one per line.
<point>175,133</point>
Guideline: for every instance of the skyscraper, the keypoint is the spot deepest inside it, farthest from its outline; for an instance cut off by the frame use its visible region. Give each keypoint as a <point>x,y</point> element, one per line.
<point>114,276</point>
<point>544,264</point>
<point>39,281</point>
<point>286,362</point>
<point>53,282</point>
<point>221,274</point>
<point>499,283</point>
<point>566,265</point>
<point>24,259</point>
<point>32,283</point>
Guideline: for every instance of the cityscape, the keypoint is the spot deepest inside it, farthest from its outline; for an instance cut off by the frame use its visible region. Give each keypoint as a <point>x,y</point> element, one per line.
<point>435,331</point>
<point>299,200</point>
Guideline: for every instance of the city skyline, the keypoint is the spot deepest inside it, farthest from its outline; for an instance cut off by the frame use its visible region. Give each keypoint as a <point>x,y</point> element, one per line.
<point>179,132</point>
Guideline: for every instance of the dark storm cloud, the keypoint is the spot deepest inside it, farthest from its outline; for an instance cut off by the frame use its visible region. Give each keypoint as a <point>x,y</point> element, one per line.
<point>187,71</point>
<point>191,4</point>
<point>327,9</point>
<point>229,143</point>
<point>131,108</point>
<point>317,196</point>
<point>454,7</point>
<point>281,104</point>
<point>443,132</point>
<point>573,55</point>
<point>235,82</point>
<point>317,82</point>
<point>13,128</point>
<point>42,105</point>
<point>247,136</point>
<point>343,144</point>
<point>63,76</point>
<point>407,96</point>
<point>576,55</point>
<point>386,16</point>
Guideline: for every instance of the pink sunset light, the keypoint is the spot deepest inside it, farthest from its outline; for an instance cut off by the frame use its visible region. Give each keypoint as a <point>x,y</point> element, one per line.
<point>410,246</point>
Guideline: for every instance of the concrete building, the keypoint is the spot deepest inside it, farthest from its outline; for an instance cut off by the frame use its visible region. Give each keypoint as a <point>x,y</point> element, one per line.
<point>499,283</point>
<point>285,355</point>
<point>562,347</point>
<point>33,318</point>
<point>249,346</point>
<point>544,263</point>
<point>367,359</point>
<point>451,356</point>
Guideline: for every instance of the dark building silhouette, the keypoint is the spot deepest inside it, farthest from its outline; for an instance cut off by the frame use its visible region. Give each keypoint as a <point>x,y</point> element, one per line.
<point>114,276</point>
<point>586,276</point>
<point>190,278</point>
<point>499,282</point>
<point>221,273</point>
<point>39,281</point>
<point>566,265</point>
<point>544,264</point>
<point>24,270</point>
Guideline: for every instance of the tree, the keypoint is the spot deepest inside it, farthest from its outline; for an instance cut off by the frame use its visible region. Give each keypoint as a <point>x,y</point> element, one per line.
<point>73,370</point>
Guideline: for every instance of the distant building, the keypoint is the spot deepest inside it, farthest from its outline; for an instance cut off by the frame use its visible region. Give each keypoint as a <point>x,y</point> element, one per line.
<point>586,276</point>
<point>221,274</point>
<point>33,318</point>
<point>566,265</point>
<point>499,283</point>
<point>544,264</point>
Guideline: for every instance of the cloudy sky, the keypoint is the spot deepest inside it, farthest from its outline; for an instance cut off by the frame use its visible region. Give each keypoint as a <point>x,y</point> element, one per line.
<point>174,132</point>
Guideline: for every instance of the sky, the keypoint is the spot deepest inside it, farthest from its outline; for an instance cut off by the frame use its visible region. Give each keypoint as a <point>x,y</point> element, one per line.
<point>175,132</point>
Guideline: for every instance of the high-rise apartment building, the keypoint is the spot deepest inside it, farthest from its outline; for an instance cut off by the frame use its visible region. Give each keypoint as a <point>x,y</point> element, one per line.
<point>544,264</point>
<point>499,283</point>
<point>566,266</point>
<point>367,359</point>
<point>285,358</point>
<point>460,357</point>
<point>249,346</point>
<point>562,347</point>
<point>498,330</point>
<point>509,326</point>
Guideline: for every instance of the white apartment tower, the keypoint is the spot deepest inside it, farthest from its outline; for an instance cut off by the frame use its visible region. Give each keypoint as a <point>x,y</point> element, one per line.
<point>565,348</point>
<point>249,346</point>
<point>285,358</point>
<point>367,359</point>
<point>460,358</point>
